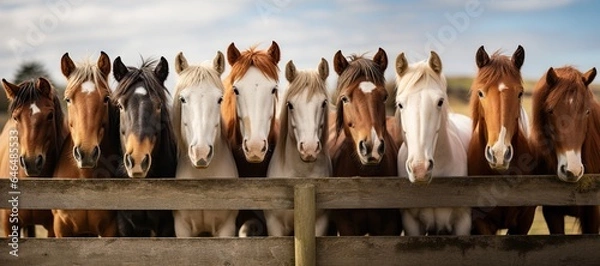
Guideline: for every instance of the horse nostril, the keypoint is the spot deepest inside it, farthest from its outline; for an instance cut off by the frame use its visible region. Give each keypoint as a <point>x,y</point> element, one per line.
<point>246,146</point>
<point>488,154</point>
<point>264,148</point>
<point>77,153</point>
<point>128,161</point>
<point>145,162</point>
<point>508,153</point>
<point>210,151</point>
<point>363,147</point>
<point>318,146</point>
<point>430,167</point>
<point>22,161</point>
<point>39,162</point>
<point>301,145</point>
<point>563,169</point>
<point>95,152</point>
<point>381,148</point>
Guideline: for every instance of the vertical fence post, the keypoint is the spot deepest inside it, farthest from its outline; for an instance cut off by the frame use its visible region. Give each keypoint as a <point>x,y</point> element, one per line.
<point>304,225</point>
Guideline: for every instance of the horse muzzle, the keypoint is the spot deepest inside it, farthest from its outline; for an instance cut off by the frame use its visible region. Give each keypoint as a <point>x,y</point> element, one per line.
<point>420,172</point>
<point>499,158</point>
<point>201,156</point>
<point>137,167</point>
<point>32,165</point>
<point>255,151</point>
<point>86,159</point>
<point>309,151</point>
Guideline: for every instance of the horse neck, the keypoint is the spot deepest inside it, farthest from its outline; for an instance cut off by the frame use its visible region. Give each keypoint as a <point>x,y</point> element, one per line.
<point>591,146</point>
<point>110,144</point>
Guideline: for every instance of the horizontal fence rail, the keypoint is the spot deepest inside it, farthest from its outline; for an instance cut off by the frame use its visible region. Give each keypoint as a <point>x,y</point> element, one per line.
<point>278,193</point>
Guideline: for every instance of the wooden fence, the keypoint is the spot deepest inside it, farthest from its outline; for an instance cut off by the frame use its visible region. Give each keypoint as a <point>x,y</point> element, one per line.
<point>304,195</point>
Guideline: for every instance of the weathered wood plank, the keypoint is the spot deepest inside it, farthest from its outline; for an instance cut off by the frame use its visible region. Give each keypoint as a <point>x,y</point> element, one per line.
<point>274,193</point>
<point>449,250</point>
<point>304,225</point>
<point>152,251</point>
<point>470,250</point>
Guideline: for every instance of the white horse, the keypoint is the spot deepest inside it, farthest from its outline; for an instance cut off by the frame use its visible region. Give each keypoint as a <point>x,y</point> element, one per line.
<point>435,143</point>
<point>203,150</point>
<point>301,150</point>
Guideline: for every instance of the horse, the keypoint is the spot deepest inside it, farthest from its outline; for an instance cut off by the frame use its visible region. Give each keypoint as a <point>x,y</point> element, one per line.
<point>31,143</point>
<point>248,110</point>
<point>367,149</point>
<point>146,132</point>
<point>434,144</point>
<point>203,148</point>
<point>565,138</point>
<point>499,135</point>
<point>301,149</point>
<point>92,148</point>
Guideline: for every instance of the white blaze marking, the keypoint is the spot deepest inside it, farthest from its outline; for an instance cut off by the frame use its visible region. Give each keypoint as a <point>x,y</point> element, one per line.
<point>88,87</point>
<point>502,87</point>
<point>367,86</point>
<point>571,100</point>
<point>499,147</point>
<point>141,90</point>
<point>34,109</point>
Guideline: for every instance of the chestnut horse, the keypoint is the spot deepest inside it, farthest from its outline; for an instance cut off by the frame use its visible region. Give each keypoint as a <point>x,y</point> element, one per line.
<point>92,150</point>
<point>367,148</point>
<point>147,139</point>
<point>31,142</point>
<point>248,110</point>
<point>499,136</point>
<point>566,139</point>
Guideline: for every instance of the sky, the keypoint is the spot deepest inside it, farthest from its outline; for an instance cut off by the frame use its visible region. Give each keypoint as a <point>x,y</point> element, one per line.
<point>553,33</point>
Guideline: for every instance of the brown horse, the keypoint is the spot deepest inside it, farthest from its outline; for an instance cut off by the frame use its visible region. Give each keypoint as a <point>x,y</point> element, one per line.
<point>248,110</point>
<point>92,150</point>
<point>499,142</point>
<point>37,121</point>
<point>367,148</point>
<point>566,139</point>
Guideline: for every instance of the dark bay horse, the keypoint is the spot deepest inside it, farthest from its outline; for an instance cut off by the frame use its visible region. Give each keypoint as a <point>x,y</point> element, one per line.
<point>31,142</point>
<point>499,144</point>
<point>565,137</point>
<point>147,139</point>
<point>92,150</point>
<point>367,148</point>
<point>248,110</point>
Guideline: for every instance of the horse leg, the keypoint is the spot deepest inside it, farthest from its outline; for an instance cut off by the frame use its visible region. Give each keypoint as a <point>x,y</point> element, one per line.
<point>182,229</point>
<point>411,224</point>
<point>29,230</point>
<point>524,221</point>
<point>61,228</point>
<point>590,216</point>
<point>166,227</point>
<point>463,222</point>
<point>228,228</point>
<point>275,226</point>
<point>555,219</point>
<point>124,225</point>
<point>321,222</point>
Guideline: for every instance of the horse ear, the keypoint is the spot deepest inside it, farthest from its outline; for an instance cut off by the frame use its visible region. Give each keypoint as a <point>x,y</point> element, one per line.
<point>104,64</point>
<point>551,77</point>
<point>219,63</point>
<point>323,69</point>
<point>589,76</point>
<point>162,69</point>
<point>274,52</point>
<point>233,54</point>
<point>339,62</point>
<point>43,85</point>
<point>119,69</point>
<point>435,62</point>
<point>518,57</point>
<point>290,71</point>
<point>66,65</point>
<point>481,57</point>
<point>180,63</point>
<point>381,59</point>
<point>401,64</point>
<point>10,89</point>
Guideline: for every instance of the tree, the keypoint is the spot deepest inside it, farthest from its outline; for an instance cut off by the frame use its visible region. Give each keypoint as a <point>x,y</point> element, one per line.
<point>31,70</point>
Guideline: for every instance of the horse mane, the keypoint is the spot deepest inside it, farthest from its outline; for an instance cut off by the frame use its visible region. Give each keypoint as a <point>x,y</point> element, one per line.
<point>248,58</point>
<point>155,88</point>
<point>189,78</point>
<point>305,80</point>
<point>359,69</point>
<point>499,68</point>
<point>86,71</point>
<point>27,94</point>
<point>569,85</point>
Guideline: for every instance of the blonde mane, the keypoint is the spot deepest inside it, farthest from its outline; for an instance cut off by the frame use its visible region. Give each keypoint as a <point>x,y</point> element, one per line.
<point>86,71</point>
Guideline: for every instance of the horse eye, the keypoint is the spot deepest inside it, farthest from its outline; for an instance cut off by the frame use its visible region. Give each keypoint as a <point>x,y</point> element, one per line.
<point>235,90</point>
<point>289,106</point>
<point>50,116</point>
<point>400,106</point>
<point>385,98</point>
<point>324,104</point>
<point>550,111</point>
<point>68,100</point>
<point>520,94</point>
<point>440,103</point>
<point>120,106</point>
<point>274,91</point>
<point>106,99</point>
<point>480,93</point>
<point>345,99</point>
<point>220,100</point>
<point>15,119</point>
<point>587,112</point>
<point>181,99</point>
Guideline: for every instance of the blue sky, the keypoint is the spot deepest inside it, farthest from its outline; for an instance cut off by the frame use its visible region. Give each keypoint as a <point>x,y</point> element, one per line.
<point>553,33</point>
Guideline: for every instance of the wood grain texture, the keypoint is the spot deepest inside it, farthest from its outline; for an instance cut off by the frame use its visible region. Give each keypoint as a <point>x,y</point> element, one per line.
<point>304,225</point>
<point>274,193</point>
